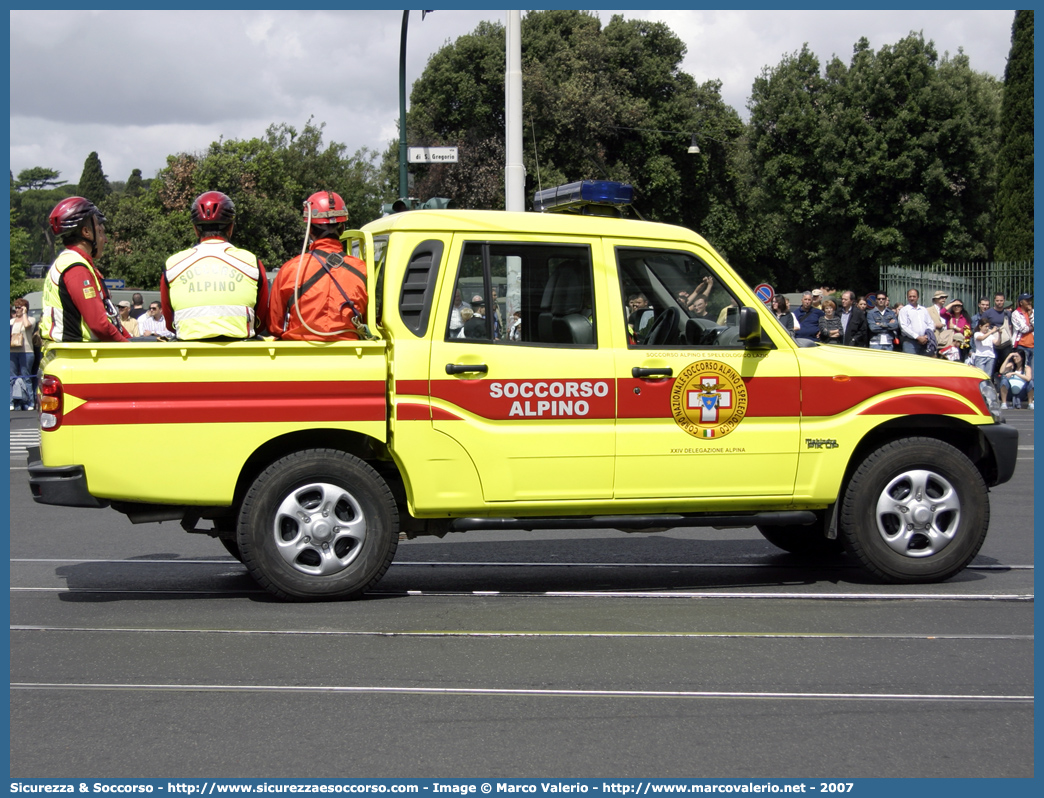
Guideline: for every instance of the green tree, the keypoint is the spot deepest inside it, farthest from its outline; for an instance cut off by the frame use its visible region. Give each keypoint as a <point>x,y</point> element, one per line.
<point>784,137</point>
<point>134,184</point>
<point>93,183</point>
<point>1014,210</point>
<point>20,286</point>
<point>32,208</point>
<point>459,101</point>
<point>143,231</point>
<point>311,167</point>
<point>267,178</point>
<point>38,177</point>
<point>598,103</point>
<point>887,159</point>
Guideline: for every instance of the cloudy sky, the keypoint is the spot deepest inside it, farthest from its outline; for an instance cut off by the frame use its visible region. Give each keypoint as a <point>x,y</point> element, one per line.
<point>136,86</point>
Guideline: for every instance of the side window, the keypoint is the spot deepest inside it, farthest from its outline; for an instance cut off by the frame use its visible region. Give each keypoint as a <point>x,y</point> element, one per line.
<point>418,286</point>
<point>516,294</point>
<point>672,299</point>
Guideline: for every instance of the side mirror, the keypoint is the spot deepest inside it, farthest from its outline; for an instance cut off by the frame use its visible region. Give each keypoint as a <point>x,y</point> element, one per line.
<point>750,329</point>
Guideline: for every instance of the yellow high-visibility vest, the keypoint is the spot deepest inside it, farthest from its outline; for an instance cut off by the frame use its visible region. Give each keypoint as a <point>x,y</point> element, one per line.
<point>213,290</point>
<point>54,326</point>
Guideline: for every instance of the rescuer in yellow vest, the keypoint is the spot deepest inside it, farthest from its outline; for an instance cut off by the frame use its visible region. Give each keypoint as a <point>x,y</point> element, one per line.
<point>76,304</point>
<point>214,290</point>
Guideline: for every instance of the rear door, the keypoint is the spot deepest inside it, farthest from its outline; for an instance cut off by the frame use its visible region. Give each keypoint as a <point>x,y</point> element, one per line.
<point>521,371</point>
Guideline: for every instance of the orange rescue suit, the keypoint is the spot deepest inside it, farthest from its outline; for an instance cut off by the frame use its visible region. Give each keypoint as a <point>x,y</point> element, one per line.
<point>319,295</point>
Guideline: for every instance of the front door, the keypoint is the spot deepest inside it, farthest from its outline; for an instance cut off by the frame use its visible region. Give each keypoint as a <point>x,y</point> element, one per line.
<point>700,416</point>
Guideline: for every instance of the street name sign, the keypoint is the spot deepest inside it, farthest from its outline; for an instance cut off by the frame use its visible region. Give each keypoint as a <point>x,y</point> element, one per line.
<point>432,154</point>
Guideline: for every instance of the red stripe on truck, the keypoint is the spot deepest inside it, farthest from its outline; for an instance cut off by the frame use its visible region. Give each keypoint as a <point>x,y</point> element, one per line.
<point>226,402</point>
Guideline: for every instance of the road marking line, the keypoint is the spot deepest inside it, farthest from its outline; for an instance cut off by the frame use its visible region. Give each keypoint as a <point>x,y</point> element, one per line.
<point>712,595</point>
<point>502,633</point>
<point>463,563</point>
<point>819,596</point>
<point>128,591</point>
<point>492,691</point>
<point>573,594</point>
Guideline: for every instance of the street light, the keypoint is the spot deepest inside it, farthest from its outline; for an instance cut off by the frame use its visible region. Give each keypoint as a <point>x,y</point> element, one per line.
<point>694,148</point>
<point>403,176</point>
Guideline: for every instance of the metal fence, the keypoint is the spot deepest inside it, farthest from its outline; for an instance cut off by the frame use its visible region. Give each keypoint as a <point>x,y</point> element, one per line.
<point>966,281</point>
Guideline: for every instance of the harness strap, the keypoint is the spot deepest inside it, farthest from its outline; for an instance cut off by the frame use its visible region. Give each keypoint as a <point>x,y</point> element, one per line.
<point>337,260</point>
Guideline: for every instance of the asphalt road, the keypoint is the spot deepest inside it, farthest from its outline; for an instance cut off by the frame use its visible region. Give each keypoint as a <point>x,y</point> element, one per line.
<point>142,651</point>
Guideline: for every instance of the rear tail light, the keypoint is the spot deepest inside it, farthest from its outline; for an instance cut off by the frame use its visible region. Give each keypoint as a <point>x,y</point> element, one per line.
<point>51,402</point>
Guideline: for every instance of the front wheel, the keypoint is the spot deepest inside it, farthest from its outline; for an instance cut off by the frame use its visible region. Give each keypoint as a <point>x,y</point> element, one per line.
<point>318,524</point>
<point>916,510</point>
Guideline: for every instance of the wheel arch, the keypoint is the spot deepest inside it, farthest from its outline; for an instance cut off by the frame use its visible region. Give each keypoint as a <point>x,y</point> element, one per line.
<point>964,437</point>
<point>362,446</point>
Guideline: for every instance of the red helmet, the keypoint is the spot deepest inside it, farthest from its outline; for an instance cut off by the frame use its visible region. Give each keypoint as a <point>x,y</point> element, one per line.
<point>71,214</point>
<point>213,207</point>
<point>326,208</point>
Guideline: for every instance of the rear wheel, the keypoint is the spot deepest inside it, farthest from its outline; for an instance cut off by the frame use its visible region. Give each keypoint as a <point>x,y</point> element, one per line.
<point>916,510</point>
<point>226,527</point>
<point>317,524</point>
<point>232,547</point>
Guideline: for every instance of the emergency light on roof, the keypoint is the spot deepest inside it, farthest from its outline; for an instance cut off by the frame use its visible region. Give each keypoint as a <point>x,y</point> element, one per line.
<point>597,197</point>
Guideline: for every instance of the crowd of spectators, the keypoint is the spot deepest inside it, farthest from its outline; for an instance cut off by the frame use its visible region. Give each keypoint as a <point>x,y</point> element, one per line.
<point>988,339</point>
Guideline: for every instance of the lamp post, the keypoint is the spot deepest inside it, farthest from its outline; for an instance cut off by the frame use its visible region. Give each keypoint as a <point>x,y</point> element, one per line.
<point>694,147</point>
<point>403,176</point>
<point>514,171</point>
<point>403,179</point>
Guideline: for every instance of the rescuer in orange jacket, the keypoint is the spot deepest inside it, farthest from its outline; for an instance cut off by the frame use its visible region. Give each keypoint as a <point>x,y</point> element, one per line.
<point>321,294</point>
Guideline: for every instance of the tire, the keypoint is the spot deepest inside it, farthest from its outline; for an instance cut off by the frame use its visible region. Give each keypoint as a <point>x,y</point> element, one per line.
<point>232,547</point>
<point>806,541</point>
<point>318,524</point>
<point>916,510</point>
<point>227,527</point>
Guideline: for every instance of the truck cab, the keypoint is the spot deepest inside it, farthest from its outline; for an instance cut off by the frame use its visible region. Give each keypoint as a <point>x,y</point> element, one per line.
<point>505,386</point>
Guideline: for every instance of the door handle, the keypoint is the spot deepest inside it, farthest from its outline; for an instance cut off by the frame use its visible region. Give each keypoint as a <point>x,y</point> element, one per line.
<point>644,374</point>
<point>478,368</point>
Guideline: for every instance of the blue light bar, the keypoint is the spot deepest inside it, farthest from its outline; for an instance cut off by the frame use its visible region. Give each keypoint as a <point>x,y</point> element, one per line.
<point>574,196</point>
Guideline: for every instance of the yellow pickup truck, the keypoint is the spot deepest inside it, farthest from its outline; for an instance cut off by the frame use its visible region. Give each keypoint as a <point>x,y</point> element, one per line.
<point>507,384</point>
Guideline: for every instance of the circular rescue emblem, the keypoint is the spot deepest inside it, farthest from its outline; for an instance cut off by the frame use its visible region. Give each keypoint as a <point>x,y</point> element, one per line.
<point>708,399</point>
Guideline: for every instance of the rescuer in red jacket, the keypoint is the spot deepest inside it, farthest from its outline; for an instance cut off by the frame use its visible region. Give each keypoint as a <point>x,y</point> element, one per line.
<point>76,304</point>
<point>321,294</point>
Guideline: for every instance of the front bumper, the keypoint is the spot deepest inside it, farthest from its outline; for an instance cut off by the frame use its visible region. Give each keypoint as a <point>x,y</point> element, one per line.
<point>62,485</point>
<point>1003,441</point>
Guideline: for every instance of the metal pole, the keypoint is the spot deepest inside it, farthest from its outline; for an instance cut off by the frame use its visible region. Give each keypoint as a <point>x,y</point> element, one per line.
<point>514,171</point>
<point>403,177</point>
